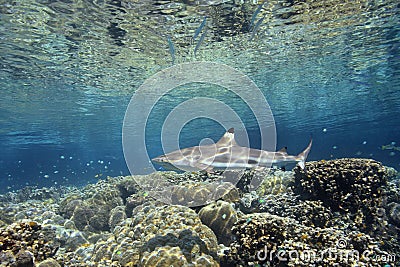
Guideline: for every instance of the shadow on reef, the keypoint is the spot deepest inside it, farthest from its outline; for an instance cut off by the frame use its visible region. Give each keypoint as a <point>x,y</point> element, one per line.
<point>344,207</point>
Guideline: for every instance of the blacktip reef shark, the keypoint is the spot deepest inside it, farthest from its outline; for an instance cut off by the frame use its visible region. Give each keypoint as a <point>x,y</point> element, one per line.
<point>227,154</point>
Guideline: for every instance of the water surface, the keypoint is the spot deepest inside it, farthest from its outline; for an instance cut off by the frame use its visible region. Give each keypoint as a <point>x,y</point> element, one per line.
<point>68,69</point>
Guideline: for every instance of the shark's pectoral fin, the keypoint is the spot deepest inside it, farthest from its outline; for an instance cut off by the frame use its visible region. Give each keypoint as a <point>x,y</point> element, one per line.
<point>203,167</point>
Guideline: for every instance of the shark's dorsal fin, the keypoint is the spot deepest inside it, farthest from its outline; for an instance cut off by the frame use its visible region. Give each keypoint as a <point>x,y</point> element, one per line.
<point>228,139</point>
<point>283,149</point>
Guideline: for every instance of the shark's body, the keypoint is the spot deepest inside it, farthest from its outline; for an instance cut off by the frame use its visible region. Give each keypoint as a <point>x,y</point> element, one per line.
<point>227,154</point>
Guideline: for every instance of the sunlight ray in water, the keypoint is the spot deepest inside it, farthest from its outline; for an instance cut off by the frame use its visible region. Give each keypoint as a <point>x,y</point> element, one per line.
<point>74,192</point>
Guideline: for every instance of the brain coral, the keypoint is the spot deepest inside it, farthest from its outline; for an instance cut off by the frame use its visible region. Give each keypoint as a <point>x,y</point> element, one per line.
<point>173,256</point>
<point>157,227</point>
<point>94,213</point>
<point>275,182</point>
<point>220,217</point>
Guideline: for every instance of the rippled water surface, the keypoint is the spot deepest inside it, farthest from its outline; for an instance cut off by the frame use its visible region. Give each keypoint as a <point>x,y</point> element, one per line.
<point>69,68</point>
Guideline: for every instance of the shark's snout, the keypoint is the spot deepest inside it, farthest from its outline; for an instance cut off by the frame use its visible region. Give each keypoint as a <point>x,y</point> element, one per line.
<point>166,162</point>
<point>159,159</point>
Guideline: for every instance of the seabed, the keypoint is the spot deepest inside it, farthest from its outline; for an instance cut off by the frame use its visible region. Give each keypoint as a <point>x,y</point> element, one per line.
<point>343,211</point>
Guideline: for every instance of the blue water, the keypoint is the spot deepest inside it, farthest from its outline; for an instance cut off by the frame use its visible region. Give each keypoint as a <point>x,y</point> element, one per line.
<point>65,86</point>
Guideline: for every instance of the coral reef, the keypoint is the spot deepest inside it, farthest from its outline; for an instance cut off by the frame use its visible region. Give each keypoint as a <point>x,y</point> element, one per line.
<point>70,239</point>
<point>392,174</point>
<point>173,256</point>
<point>342,184</point>
<point>49,263</point>
<point>152,226</point>
<point>164,256</point>
<point>34,193</point>
<point>394,213</point>
<point>391,203</point>
<point>68,205</point>
<point>117,215</point>
<point>188,189</point>
<point>338,206</point>
<point>309,212</point>
<point>127,186</point>
<point>24,258</point>
<point>197,194</point>
<point>135,200</point>
<point>220,217</point>
<point>276,181</point>
<point>263,238</point>
<point>92,214</point>
<point>351,186</point>
<point>26,242</point>
<point>28,210</point>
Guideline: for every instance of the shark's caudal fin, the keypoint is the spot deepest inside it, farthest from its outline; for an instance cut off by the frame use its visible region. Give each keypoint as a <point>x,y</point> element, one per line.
<point>228,139</point>
<point>303,156</point>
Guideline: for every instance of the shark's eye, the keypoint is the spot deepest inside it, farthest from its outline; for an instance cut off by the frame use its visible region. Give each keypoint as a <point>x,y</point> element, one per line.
<point>251,161</point>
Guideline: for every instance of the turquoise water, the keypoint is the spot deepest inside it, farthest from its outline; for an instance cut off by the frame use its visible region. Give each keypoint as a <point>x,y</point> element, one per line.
<point>330,69</point>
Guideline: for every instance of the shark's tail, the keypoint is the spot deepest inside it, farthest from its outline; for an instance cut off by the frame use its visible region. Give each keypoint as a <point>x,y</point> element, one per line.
<point>303,156</point>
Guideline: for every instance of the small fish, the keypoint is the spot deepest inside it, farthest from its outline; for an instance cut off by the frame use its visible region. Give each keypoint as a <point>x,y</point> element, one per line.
<point>253,18</point>
<point>171,49</point>
<point>256,28</point>
<point>200,41</point>
<point>390,147</point>
<point>197,32</point>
